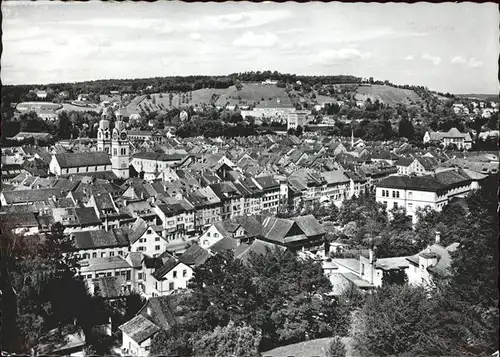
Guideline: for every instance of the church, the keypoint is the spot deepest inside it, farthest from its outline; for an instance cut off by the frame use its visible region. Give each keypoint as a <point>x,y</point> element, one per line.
<point>112,143</point>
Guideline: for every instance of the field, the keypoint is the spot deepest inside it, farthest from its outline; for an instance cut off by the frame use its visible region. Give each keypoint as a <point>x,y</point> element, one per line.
<point>387,94</point>
<point>69,107</point>
<point>249,94</point>
<point>38,106</point>
<point>316,348</point>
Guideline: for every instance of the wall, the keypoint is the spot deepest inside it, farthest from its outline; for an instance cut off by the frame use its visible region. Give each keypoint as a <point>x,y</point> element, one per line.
<point>210,237</point>
<point>150,243</point>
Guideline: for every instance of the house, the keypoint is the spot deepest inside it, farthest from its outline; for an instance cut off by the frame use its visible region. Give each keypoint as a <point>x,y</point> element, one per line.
<point>298,233</point>
<point>28,197</point>
<point>295,119</point>
<point>144,239</point>
<point>433,261</point>
<point>94,268</point>
<point>100,243</point>
<point>70,163</point>
<point>171,276</point>
<point>159,313</point>
<point>76,219</point>
<point>452,137</point>
<point>35,136</point>
<point>412,193</point>
<point>219,230</point>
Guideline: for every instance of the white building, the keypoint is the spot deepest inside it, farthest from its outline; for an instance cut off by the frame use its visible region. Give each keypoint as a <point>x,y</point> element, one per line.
<point>453,136</point>
<point>296,119</point>
<point>434,191</point>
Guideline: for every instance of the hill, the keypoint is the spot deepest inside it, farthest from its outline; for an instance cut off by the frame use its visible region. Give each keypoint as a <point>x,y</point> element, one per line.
<point>250,93</point>
<point>387,94</point>
<point>485,97</point>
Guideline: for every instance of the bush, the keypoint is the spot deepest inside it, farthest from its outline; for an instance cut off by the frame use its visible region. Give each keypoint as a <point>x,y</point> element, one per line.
<point>336,348</point>
<point>230,340</point>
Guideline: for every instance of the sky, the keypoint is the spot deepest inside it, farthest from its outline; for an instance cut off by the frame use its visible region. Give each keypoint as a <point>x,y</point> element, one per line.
<point>448,47</point>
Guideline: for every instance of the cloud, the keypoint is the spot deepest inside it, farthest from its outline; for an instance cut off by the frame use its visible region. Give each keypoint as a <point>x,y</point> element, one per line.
<point>436,60</point>
<point>328,57</point>
<point>409,58</point>
<point>458,60</point>
<point>250,39</point>
<point>472,62</point>
<point>196,37</point>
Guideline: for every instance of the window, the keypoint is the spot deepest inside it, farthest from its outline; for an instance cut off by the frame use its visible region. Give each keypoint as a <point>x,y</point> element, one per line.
<point>111,254</point>
<point>171,286</point>
<point>383,193</point>
<point>385,203</point>
<point>362,269</point>
<point>157,247</point>
<point>140,276</point>
<point>208,234</point>
<point>393,194</point>
<point>174,274</point>
<point>156,285</point>
<point>157,239</point>
<point>108,274</point>
<point>94,255</point>
<point>205,242</point>
<point>120,253</point>
<point>397,194</point>
<point>395,205</point>
<point>216,235</point>
<point>150,231</point>
<point>114,152</point>
<point>422,267</point>
<point>102,255</point>
<point>184,273</point>
<point>141,249</point>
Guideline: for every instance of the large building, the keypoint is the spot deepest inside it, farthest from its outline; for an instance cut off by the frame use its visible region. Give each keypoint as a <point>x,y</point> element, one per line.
<point>295,119</point>
<point>451,137</point>
<point>79,162</point>
<point>412,193</point>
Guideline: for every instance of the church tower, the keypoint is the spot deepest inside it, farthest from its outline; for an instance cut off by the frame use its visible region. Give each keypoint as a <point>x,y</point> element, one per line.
<point>104,134</point>
<point>120,153</point>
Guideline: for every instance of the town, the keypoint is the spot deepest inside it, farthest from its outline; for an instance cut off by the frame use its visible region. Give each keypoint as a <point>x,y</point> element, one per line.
<point>257,213</point>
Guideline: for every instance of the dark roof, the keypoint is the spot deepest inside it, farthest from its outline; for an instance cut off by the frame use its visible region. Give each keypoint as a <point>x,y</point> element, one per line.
<point>309,225</point>
<point>139,328</point>
<point>194,255</point>
<point>27,219</point>
<point>87,215</point>
<point>258,247</point>
<point>100,239</point>
<point>158,156</point>
<point>421,183</point>
<point>25,196</point>
<point>137,230</point>
<point>267,182</point>
<point>168,264</point>
<point>224,244</point>
<point>80,159</point>
<point>165,310</point>
<point>404,161</point>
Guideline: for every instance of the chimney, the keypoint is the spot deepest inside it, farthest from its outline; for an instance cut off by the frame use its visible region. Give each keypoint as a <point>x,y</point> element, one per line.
<point>438,237</point>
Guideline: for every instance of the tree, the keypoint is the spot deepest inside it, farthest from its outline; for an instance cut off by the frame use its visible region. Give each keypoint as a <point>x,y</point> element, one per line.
<point>175,341</point>
<point>406,129</point>
<point>396,320</point>
<point>299,131</point>
<point>336,348</point>
<point>293,299</point>
<point>231,340</point>
<point>64,125</point>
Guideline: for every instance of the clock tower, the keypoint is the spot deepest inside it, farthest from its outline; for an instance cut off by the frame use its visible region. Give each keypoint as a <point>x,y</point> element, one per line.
<point>120,151</point>
<point>104,134</point>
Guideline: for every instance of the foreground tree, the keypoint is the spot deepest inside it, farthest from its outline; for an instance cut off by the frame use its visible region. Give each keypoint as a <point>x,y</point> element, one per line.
<point>231,340</point>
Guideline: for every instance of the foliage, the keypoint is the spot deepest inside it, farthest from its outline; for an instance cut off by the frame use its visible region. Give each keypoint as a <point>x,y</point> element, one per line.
<point>395,320</point>
<point>176,341</point>
<point>231,340</point>
<point>406,129</point>
<point>39,288</point>
<point>336,348</point>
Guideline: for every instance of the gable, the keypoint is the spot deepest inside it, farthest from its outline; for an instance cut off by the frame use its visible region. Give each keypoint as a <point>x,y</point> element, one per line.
<point>294,231</point>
